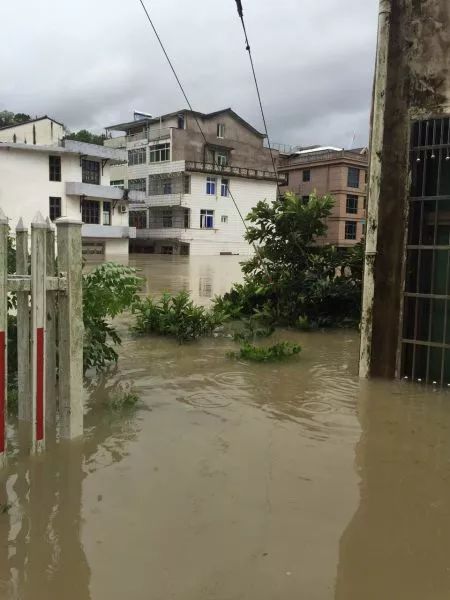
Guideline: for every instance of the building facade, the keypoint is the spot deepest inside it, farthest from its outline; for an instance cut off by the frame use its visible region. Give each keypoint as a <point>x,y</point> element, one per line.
<point>406,301</point>
<point>67,179</point>
<point>42,131</point>
<point>340,173</point>
<point>196,180</point>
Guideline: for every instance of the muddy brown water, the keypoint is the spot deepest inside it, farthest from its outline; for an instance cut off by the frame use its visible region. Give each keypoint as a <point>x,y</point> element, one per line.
<point>235,481</point>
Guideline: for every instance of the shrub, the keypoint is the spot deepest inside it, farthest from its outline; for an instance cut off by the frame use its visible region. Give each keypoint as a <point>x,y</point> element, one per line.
<point>279,351</point>
<point>175,316</point>
<point>108,290</point>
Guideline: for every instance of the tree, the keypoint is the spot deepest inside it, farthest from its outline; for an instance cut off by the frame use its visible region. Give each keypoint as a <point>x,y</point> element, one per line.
<point>292,279</point>
<point>86,136</point>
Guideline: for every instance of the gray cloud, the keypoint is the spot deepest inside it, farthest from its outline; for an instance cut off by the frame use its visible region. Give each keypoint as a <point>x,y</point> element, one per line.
<point>90,63</point>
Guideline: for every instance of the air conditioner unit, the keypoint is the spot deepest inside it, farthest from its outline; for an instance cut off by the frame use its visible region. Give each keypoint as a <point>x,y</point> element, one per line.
<point>122,209</point>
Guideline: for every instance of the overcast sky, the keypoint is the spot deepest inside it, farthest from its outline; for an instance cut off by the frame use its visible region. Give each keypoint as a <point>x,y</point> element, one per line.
<point>90,63</point>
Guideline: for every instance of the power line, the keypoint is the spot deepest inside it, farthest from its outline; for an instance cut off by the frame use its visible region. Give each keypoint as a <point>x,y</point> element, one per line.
<point>189,104</point>
<point>247,47</point>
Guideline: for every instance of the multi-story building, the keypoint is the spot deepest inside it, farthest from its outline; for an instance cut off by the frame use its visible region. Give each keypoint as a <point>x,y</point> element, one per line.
<point>65,178</point>
<point>340,173</point>
<point>192,179</point>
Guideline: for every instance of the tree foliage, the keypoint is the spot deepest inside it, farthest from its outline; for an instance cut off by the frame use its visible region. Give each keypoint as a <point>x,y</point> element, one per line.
<point>83,135</point>
<point>292,279</point>
<point>8,118</point>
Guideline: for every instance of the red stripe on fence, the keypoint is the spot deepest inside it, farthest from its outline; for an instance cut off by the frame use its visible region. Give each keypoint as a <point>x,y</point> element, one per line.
<point>2,391</point>
<point>39,383</point>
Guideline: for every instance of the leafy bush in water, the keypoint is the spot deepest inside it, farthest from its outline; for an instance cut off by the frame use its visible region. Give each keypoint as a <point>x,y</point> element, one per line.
<point>175,316</point>
<point>108,290</point>
<point>265,354</point>
<point>291,277</point>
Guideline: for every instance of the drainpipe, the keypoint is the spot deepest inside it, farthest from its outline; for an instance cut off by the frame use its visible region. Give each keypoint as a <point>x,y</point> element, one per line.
<point>375,172</point>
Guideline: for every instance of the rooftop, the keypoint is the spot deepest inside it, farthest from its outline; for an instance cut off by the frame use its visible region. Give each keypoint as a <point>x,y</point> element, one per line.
<point>31,121</point>
<point>70,147</point>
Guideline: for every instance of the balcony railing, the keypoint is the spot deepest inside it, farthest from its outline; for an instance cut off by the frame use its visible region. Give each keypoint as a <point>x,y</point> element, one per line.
<point>232,170</point>
<point>149,135</point>
<point>324,156</point>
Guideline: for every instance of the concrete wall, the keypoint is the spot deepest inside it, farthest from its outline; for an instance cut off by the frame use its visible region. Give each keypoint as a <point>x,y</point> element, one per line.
<point>224,237</point>
<point>47,132</point>
<point>412,80</point>
<point>25,187</point>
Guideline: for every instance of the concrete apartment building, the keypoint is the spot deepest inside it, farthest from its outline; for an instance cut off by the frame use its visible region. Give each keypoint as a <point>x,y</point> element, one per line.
<point>188,182</point>
<point>64,178</point>
<point>341,173</point>
<point>405,330</point>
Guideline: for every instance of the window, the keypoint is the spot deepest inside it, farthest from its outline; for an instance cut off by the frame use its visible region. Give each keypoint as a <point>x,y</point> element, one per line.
<point>137,156</point>
<point>159,153</point>
<point>106,213</point>
<point>353,177</point>
<point>180,121</point>
<point>138,185</point>
<point>364,229</point>
<point>90,212</point>
<point>166,249</point>
<point>222,159</point>
<point>138,219</point>
<point>90,171</point>
<point>167,218</point>
<point>120,183</point>
<point>221,130</point>
<point>186,218</point>
<point>54,164</point>
<point>352,205</point>
<point>167,186</point>
<point>187,184</point>
<point>305,200</point>
<point>224,188</point>
<point>54,208</point>
<point>211,186</point>
<point>206,219</point>
<point>350,230</point>
<point>306,175</point>
<point>224,219</point>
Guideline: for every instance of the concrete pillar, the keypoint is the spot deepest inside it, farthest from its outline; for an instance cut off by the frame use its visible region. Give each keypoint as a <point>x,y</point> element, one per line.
<point>23,328</point>
<point>70,326</point>
<point>412,81</point>
<point>38,325</point>
<point>51,391</point>
<point>3,333</point>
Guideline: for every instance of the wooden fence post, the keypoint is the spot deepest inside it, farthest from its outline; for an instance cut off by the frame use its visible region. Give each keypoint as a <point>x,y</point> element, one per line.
<point>51,338</point>
<point>23,328</point>
<point>70,326</point>
<point>3,332</point>
<point>38,318</point>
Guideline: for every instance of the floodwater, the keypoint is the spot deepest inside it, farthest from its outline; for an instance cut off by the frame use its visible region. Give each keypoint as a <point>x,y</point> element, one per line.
<point>235,481</point>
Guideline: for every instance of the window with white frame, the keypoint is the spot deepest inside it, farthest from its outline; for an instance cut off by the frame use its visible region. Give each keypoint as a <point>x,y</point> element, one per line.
<point>187,184</point>
<point>137,156</point>
<point>167,186</point>
<point>224,187</point>
<point>106,213</point>
<point>120,183</point>
<point>221,158</point>
<point>160,153</point>
<point>224,219</point>
<point>206,219</point>
<point>221,130</point>
<point>211,186</point>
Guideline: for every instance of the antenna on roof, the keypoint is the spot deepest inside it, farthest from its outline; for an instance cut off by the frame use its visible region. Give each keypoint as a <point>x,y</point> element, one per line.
<point>138,115</point>
<point>352,143</point>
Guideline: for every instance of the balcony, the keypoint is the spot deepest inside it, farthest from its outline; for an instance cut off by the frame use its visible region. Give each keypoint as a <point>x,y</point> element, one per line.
<point>233,171</point>
<point>104,192</point>
<point>151,135</point>
<point>107,232</point>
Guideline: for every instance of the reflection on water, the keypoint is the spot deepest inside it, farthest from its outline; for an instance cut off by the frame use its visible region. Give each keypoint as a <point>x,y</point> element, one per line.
<point>235,480</point>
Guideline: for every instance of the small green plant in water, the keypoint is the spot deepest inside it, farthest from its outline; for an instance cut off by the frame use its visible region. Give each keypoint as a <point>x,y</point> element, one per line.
<point>276,352</point>
<point>5,508</point>
<point>123,397</point>
<point>175,316</point>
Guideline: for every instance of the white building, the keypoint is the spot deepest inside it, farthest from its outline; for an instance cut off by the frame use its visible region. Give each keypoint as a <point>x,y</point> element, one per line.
<point>65,178</point>
<point>188,208</point>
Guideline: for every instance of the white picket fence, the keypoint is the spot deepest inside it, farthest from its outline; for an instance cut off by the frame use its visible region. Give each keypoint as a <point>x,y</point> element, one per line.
<point>49,328</point>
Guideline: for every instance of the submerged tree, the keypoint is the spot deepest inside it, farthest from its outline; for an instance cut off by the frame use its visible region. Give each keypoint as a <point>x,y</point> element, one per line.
<point>292,278</point>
